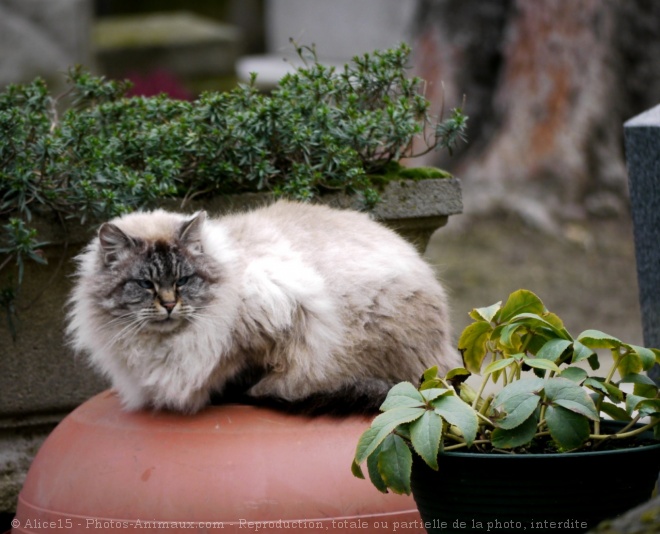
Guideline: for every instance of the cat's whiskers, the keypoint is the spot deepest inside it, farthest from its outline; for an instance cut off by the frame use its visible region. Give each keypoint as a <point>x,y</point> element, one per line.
<point>123,322</point>
<point>208,318</point>
<point>150,313</point>
<point>119,318</point>
<point>131,324</point>
<point>192,312</point>
<point>125,335</point>
<point>199,319</point>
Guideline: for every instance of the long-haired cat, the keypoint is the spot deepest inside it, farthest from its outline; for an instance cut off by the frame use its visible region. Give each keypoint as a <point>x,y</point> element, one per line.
<point>299,304</point>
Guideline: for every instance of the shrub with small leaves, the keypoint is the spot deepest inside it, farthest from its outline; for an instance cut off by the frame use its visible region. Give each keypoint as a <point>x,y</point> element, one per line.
<point>94,153</point>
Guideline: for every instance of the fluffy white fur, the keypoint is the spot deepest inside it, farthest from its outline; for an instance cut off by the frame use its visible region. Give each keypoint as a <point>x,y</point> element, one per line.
<point>320,298</point>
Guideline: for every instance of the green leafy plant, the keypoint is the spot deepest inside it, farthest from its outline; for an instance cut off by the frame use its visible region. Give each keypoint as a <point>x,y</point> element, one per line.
<point>92,153</point>
<point>545,399</point>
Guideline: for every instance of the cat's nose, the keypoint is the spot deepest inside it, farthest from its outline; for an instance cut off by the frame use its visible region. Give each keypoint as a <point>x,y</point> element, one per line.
<point>167,299</point>
<point>169,306</point>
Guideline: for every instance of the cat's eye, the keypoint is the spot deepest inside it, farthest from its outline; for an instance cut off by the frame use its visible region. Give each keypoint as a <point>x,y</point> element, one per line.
<point>182,281</point>
<point>145,284</point>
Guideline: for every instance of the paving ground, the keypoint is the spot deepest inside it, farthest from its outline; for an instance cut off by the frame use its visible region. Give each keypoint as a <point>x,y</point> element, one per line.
<point>587,275</point>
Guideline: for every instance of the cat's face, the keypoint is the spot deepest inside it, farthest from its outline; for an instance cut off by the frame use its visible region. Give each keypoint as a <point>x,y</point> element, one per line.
<point>156,285</point>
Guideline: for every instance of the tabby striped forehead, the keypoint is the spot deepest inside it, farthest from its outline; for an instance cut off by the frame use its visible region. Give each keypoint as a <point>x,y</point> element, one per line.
<point>166,261</point>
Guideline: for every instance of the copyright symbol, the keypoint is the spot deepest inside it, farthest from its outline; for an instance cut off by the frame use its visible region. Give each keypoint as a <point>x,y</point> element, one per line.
<point>15,523</point>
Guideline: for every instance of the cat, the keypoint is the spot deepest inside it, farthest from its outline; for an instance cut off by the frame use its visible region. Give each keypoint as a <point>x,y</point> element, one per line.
<point>292,303</point>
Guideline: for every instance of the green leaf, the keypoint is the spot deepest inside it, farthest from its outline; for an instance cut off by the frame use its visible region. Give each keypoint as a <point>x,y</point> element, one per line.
<point>374,473</point>
<point>540,363</point>
<point>615,412</point>
<point>637,378</point>
<point>498,365</point>
<point>516,402</point>
<point>575,374</point>
<point>569,395</point>
<point>425,435</point>
<point>581,352</point>
<point>643,405</point>
<point>558,324</point>
<point>430,373</point>
<point>368,442</point>
<point>432,383</point>
<point>434,393</point>
<point>457,372</point>
<point>521,301</point>
<point>395,464</point>
<point>472,344</point>
<point>567,428</point>
<point>645,390</point>
<point>533,320</point>
<point>553,349</point>
<point>595,339</point>
<point>381,427</point>
<point>649,407</point>
<point>456,412</point>
<point>467,393</point>
<point>510,337</point>
<point>402,395</point>
<point>646,356</point>
<point>518,436</point>
<point>357,470</point>
<point>645,387</point>
<point>486,314</point>
<point>632,402</point>
<point>578,408</point>
<point>598,385</point>
<point>517,411</point>
<point>630,363</point>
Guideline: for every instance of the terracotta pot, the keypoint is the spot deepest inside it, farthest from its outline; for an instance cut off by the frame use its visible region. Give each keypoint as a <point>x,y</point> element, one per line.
<point>229,468</point>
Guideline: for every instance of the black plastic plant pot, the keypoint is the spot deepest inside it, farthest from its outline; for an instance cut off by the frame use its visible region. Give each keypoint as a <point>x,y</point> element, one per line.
<point>536,493</point>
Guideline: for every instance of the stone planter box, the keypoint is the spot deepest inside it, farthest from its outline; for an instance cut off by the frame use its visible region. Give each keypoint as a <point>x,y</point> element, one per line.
<point>41,380</point>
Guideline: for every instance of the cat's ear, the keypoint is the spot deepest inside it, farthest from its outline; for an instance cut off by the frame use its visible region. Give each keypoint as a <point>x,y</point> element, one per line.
<point>190,233</point>
<point>114,243</point>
